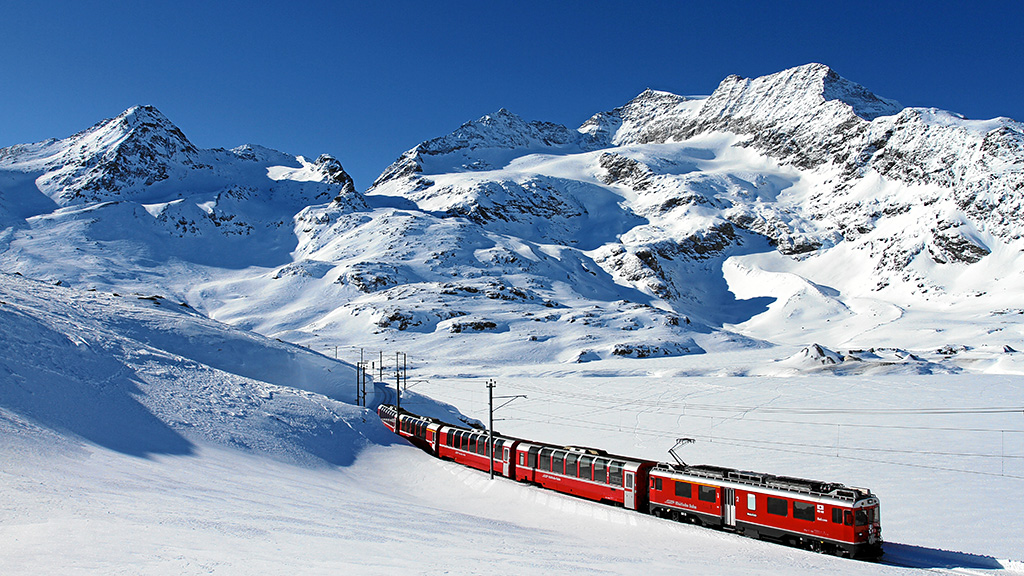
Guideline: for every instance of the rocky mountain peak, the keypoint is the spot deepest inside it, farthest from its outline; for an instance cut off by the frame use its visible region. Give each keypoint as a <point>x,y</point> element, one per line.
<point>796,93</point>
<point>644,113</point>
<point>472,145</point>
<point>138,126</point>
<point>334,173</point>
<point>133,150</point>
<point>502,129</point>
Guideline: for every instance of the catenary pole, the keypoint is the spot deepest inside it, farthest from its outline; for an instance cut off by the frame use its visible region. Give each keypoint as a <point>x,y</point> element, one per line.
<point>490,425</point>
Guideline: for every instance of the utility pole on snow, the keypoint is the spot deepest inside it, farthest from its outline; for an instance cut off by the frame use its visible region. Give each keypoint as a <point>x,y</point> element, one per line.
<point>398,384</point>
<point>490,420</point>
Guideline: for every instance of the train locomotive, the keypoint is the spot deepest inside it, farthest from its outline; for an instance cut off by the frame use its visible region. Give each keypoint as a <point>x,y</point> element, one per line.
<point>824,517</point>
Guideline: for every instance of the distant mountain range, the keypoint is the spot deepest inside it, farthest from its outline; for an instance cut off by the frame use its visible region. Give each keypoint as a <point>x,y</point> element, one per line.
<point>793,208</point>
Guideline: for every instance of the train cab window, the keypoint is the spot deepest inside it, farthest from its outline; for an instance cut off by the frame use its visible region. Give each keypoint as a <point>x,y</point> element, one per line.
<point>570,464</point>
<point>615,473</point>
<point>848,517</point>
<point>684,489</point>
<point>656,483</point>
<point>585,462</point>
<point>837,516</point>
<point>803,511</point>
<point>558,462</point>
<point>600,472</point>
<point>865,516</point>
<point>752,502</point>
<point>777,506</point>
<point>707,494</point>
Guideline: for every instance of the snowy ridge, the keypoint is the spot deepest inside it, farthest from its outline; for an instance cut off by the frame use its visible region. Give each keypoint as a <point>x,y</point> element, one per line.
<point>483,144</point>
<point>137,149</point>
<point>144,375</point>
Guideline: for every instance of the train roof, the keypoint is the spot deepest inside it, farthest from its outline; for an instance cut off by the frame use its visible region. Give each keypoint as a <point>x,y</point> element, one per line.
<point>768,481</point>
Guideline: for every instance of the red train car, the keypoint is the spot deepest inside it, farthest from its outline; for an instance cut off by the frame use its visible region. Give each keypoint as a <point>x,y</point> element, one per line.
<point>472,448</point>
<point>825,517</point>
<point>420,431</point>
<point>585,472</point>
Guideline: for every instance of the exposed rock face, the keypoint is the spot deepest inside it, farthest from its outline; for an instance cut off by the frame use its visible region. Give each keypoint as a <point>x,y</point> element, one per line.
<point>334,173</point>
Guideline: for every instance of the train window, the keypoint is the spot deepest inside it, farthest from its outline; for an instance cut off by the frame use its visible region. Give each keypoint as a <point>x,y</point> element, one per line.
<point>532,457</point>
<point>481,445</point>
<point>615,473</point>
<point>865,516</point>
<point>545,459</point>
<point>471,445</point>
<point>656,483</point>
<point>751,502</point>
<point>777,506</point>
<point>837,516</point>
<point>629,481</point>
<point>570,464</point>
<point>803,511</point>
<point>848,518</point>
<point>585,467</point>
<point>558,462</point>
<point>498,443</point>
<point>684,489</point>
<point>707,494</point>
<point>600,473</point>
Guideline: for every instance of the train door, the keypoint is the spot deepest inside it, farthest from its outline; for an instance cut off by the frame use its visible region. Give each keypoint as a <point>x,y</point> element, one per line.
<point>728,507</point>
<point>508,462</point>
<point>629,499</point>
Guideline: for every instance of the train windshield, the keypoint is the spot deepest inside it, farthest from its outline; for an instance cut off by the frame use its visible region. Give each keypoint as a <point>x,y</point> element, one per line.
<point>865,516</point>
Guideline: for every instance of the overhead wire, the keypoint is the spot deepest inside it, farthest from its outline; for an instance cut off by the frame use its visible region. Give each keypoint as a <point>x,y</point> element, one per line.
<point>607,403</point>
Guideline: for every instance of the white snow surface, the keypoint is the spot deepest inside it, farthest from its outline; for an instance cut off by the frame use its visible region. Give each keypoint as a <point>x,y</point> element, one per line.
<point>808,279</point>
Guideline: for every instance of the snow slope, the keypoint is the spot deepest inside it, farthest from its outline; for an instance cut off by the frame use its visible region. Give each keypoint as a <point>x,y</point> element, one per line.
<point>124,452</point>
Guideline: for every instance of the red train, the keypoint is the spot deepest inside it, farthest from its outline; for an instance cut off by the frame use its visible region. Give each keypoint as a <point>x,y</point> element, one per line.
<point>820,516</point>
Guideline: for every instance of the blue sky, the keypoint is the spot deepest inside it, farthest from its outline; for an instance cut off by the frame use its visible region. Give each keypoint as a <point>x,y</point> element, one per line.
<point>366,81</point>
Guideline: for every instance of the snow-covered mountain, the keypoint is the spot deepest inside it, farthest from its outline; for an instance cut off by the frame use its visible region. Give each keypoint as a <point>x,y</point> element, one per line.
<point>791,208</point>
